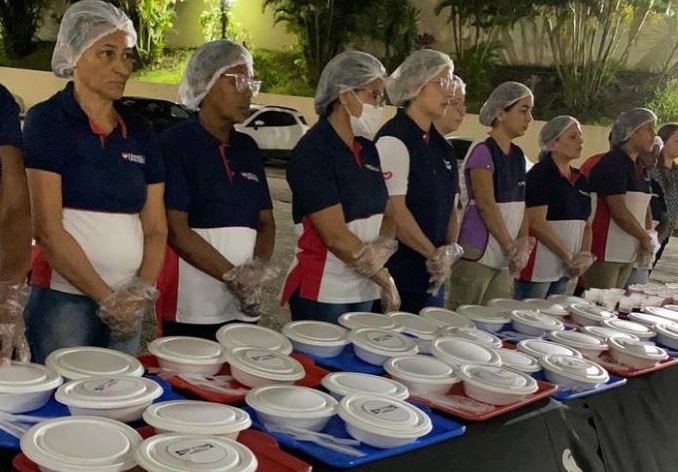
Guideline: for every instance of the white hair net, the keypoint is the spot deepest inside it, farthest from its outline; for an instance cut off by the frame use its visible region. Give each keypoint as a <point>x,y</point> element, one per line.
<point>554,129</point>
<point>502,97</point>
<point>416,70</point>
<point>348,70</point>
<point>208,62</point>
<point>85,23</point>
<point>627,122</point>
<point>459,85</point>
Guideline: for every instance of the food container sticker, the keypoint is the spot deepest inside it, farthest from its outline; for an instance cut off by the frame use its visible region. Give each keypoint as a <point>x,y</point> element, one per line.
<point>386,411</point>
<point>385,339</point>
<point>197,452</point>
<point>266,358</point>
<point>111,385</point>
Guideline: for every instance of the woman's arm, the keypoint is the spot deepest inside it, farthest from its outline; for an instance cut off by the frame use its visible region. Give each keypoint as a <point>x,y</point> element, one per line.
<point>483,190</point>
<point>263,248</point>
<point>330,224</point>
<point>587,238</point>
<point>540,227</point>
<point>407,229</point>
<point>154,226</point>
<point>388,228</point>
<point>453,225</point>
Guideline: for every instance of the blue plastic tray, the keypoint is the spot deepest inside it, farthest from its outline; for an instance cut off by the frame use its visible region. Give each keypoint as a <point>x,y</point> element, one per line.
<point>443,428</point>
<point>54,409</point>
<point>564,395</point>
<point>347,361</point>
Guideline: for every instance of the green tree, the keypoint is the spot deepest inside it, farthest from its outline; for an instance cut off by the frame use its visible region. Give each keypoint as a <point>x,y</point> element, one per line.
<point>155,18</point>
<point>217,22</point>
<point>19,21</point>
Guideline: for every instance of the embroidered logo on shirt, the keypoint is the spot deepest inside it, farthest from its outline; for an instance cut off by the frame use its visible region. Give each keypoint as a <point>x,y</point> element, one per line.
<point>371,167</point>
<point>521,183</point>
<point>388,175</point>
<point>250,176</point>
<point>448,164</point>
<point>130,156</point>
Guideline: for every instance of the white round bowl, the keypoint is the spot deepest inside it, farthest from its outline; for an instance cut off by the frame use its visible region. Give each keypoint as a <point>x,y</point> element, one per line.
<point>589,315</point>
<point>640,330</point>
<point>364,319</point>
<point>189,355</point>
<point>375,346</point>
<point>568,300</point>
<point>423,375</point>
<point>496,385</point>
<point>534,323</point>
<point>604,333</point>
<point>340,384</point>
<point>590,346</point>
<point>484,317</point>
<point>254,367</point>
<point>317,338</point>
<point>235,335</point>
<point>445,318</point>
<point>197,417</point>
<point>664,312</point>
<point>647,319</point>
<point>26,387</point>
<point>518,360</point>
<point>636,354</point>
<point>457,352</point>
<point>667,335</point>
<point>538,348</point>
<point>415,325</point>
<point>548,307</point>
<point>472,334</point>
<point>509,304</point>
<point>81,362</point>
<point>573,373</point>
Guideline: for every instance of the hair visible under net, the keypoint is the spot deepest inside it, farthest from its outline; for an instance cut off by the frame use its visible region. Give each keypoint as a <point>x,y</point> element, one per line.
<point>502,97</point>
<point>554,129</point>
<point>348,70</point>
<point>85,23</point>
<point>208,62</point>
<point>416,71</point>
<point>628,122</point>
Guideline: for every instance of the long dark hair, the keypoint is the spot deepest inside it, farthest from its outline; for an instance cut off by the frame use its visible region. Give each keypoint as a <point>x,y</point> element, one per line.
<point>665,132</point>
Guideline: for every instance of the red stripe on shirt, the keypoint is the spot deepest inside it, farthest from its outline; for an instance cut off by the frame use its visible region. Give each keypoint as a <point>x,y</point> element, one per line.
<point>307,275</point>
<point>41,273</point>
<point>168,284</point>
<point>527,273</point>
<point>600,228</point>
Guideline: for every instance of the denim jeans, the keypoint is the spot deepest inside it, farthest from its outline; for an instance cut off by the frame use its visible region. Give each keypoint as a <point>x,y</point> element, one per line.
<point>638,277</point>
<point>522,290</point>
<point>305,309</point>
<point>413,302</point>
<point>57,319</point>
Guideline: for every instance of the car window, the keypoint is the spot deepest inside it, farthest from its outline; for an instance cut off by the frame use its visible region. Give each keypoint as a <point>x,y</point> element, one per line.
<point>273,118</point>
<point>178,112</point>
<point>302,118</point>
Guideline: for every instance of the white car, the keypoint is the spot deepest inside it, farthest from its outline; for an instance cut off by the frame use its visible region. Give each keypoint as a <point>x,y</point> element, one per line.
<point>276,129</point>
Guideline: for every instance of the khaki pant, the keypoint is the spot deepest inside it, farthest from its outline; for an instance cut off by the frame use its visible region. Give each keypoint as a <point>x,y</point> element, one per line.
<point>472,283</point>
<point>608,274</point>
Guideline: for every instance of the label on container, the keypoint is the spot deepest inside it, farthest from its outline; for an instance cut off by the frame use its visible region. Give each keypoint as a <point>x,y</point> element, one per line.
<point>386,411</point>
<point>385,340</point>
<point>197,452</point>
<point>266,359</point>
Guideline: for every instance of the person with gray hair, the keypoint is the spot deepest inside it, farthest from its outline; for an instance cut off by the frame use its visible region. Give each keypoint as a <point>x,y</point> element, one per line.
<point>622,224</point>
<point>96,181</point>
<point>219,209</point>
<point>339,200</point>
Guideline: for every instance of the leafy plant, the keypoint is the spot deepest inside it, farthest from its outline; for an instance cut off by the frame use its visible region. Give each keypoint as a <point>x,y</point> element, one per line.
<point>664,102</point>
<point>282,72</point>
<point>217,22</point>
<point>19,21</point>
<point>155,18</point>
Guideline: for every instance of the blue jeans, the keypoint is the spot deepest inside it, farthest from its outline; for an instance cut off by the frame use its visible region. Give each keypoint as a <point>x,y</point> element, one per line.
<point>522,290</point>
<point>638,277</point>
<point>58,319</point>
<point>413,302</point>
<point>305,309</point>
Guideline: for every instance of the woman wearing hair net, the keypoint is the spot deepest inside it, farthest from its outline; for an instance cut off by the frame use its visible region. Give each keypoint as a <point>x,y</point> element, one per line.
<point>558,213</point>
<point>96,182</point>
<point>421,176</point>
<point>456,111</point>
<point>622,222</point>
<point>339,200</point>
<point>494,227</point>
<point>219,210</point>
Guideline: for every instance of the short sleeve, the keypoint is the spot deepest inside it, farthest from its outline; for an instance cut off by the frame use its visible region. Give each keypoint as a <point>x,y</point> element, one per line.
<point>10,125</point>
<point>537,187</point>
<point>43,137</point>
<point>609,177</point>
<point>395,164</point>
<point>312,179</point>
<point>177,196</point>
<point>480,158</point>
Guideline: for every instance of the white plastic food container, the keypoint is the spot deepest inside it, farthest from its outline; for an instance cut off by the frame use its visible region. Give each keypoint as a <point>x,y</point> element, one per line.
<point>472,334</point>
<point>189,355</point>
<point>636,354</point>
<point>509,304</point>
<point>81,362</point>
<point>254,367</point>
<point>534,323</point>
<point>496,385</point>
<point>415,325</point>
<point>193,453</point>
<point>664,312</point>
<point>423,375</point>
<point>573,373</point>
<point>81,443</point>
<point>485,317</point>
<point>381,421</point>
<point>197,417</point>
<point>590,346</point>
<point>340,384</point>
<point>119,398</point>
<point>235,335</point>
<point>548,307</point>
<point>667,335</point>
<point>538,348</point>
<point>318,338</point>
<point>364,319</point>
<point>589,315</point>
<point>375,346</point>
<point>605,333</point>
<point>637,329</point>
<point>289,405</point>
<point>568,300</point>
<point>445,318</point>
<point>517,360</point>
<point>647,319</point>
<point>457,351</point>
<point>26,387</point>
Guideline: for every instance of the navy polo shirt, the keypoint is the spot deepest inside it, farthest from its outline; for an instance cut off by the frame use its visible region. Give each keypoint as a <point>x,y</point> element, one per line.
<point>10,125</point>
<point>657,202</point>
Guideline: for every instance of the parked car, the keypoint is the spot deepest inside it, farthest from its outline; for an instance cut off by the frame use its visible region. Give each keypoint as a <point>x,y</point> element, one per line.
<point>161,113</point>
<point>276,129</point>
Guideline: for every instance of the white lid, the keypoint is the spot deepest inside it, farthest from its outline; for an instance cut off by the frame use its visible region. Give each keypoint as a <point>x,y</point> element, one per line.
<point>461,351</point>
<point>670,330</point>
<point>663,312</point>
<point>235,335</point>
<point>640,349</point>
<point>81,443</point>
<point>383,342</point>
<point>484,313</point>
<point>19,377</point>
<point>197,417</point>
<point>591,312</point>
<point>384,416</point>
<point>343,383</point>
<point>567,300</point>
<point>291,401</point>
<point>364,319</point>
<point>187,453</point>
<point>84,361</point>
<point>537,320</point>
<point>548,307</point>
<point>508,304</point>
<point>577,340</point>
<point>518,360</point>
<point>419,367</point>
<point>188,350</point>
<point>638,329</point>
<point>604,333</point>
<point>538,348</point>
<point>499,379</point>
<point>316,333</point>
<point>472,334</point>
<point>266,364</point>
<point>415,325</point>
<point>444,318</point>
<point>575,368</point>
<point>646,318</point>
<point>108,392</point>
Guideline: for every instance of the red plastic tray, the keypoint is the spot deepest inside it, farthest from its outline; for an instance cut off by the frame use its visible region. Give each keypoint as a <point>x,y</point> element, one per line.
<point>485,411</point>
<point>314,375</point>
<point>622,371</point>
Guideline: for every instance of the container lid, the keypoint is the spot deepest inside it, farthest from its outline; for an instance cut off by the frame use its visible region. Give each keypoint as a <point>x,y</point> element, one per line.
<point>316,333</point>
<point>667,313</point>
<point>472,334</point>
<point>647,319</point>
<point>537,320</point>
<point>364,319</point>
<point>518,360</point>
<point>670,330</point>
<point>19,377</point>
<point>291,401</point>
<point>498,379</point>
<point>591,312</point>
<point>188,350</point>
<point>538,348</point>
<point>344,383</point>
<point>640,349</point>
<point>548,307</point>
<point>385,416</point>
<point>383,342</point>
<point>509,304</point>
<point>484,313</point>
<point>444,318</point>
<point>420,367</point>
<point>84,361</point>
<point>415,325</point>
<point>266,364</point>
<point>575,368</point>
<point>604,333</point>
<point>637,329</point>
<point>197,417</point>
<point>578,340</point>
<point>81,443</point>
<point>459,351</point>
<point>188,453</point>
<point>108,392</point>
<point>567,300</point>
<point>235,335</point>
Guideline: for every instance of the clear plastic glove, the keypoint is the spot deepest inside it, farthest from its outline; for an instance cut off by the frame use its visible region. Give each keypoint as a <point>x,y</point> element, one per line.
<point>652,245</point>
<point>13,298</point>
<point>246,283</point>
<point>370,257</point>
<point>390,299</point>
<point>519,254</point>
<point>124,310</point>
<point>647,250</point>
<point>579,264</point>
<point>440,264</point>
<point>644,260</point>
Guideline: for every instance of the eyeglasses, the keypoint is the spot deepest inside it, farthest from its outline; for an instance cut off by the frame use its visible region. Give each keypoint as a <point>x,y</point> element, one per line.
<point>377,98</point>
<point>447,84</point>
<point>458,103</point>
<point>244,83</point>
